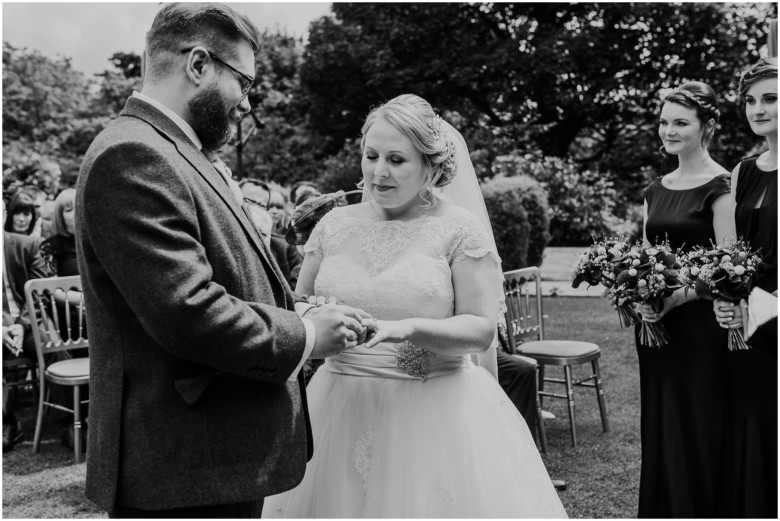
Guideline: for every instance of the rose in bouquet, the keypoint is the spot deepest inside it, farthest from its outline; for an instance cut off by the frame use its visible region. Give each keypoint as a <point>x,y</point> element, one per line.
<point>600,264</point>
<point>647,276</point>
<point>725,272</point>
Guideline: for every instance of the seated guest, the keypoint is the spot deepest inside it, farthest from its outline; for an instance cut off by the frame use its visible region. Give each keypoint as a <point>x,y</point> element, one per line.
<point>255,192</point>
<point>277,209</point>
<point>517,378</point>
<point>22,215</point>
<point>59,250</point>
<point>22,262</point>
<point>286,255</point>
<point>43,222</point>
<point>59,255</point>
<point>299,189</point>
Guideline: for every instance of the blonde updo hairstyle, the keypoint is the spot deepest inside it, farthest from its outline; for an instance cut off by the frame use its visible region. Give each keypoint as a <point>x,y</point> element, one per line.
<point>414,117</point>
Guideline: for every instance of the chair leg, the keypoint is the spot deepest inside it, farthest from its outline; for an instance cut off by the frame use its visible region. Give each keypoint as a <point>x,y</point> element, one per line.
<point>39,420</point>
<point>600,396</point>
<point>541,383</point>
<point>540,424</point>
<point>570,400</point>
<point>77,422</point>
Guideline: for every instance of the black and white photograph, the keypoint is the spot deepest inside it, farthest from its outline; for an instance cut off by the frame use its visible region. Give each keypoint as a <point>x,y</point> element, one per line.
<point>389,260</point>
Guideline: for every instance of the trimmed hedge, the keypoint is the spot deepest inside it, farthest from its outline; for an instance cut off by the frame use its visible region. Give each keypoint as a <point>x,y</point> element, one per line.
<point>581,201</point>
<point>518,212</point>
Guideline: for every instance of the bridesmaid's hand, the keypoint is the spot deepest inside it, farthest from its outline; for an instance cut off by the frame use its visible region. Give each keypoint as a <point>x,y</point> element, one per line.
<point>649,314</point>
<point>728,314</point>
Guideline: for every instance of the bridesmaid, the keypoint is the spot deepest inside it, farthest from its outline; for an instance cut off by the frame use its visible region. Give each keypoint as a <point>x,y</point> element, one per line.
<point>681,383</point>
<point>751,428</point>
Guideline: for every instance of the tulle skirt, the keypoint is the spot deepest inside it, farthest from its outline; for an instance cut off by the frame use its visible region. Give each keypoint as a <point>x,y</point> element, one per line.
<point>450,446</point>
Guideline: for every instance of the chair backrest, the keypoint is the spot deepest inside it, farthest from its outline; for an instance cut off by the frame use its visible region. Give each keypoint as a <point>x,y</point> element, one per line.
<point>524,313</point>
<point>43,297</point>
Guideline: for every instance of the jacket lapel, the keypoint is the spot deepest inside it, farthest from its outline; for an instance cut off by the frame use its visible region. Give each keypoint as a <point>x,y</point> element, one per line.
<point>139,109</point>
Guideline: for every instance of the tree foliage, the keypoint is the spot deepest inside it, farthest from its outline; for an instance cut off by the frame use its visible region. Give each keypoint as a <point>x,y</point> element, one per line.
<point>570,80</point>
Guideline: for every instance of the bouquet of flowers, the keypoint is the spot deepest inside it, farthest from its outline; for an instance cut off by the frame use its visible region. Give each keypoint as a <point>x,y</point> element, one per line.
<point>647,275</point>
<point>724,272</point>
<point>600,264</point>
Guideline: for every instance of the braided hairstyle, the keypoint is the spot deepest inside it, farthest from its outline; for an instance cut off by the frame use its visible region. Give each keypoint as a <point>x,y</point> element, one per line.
<point>764,69</point>
<point>414,118</point>
<point>700,97</point>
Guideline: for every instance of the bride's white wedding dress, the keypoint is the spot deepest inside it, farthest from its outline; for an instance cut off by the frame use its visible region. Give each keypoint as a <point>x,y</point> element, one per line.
<point>399,431</point>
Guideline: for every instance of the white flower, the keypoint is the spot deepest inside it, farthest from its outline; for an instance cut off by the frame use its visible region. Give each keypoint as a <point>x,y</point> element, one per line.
<point>652,251</point>
<point>739,270</point>
<point>695,271</point>
<point>659,267</point>
<point>726,258</point>
<point>632,272</point>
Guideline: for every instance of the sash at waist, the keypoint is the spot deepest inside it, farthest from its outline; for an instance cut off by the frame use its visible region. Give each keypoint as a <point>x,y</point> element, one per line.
<point>385,365</point>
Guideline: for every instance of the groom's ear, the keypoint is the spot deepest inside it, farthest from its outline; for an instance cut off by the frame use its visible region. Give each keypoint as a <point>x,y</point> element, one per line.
<point>196,67</point>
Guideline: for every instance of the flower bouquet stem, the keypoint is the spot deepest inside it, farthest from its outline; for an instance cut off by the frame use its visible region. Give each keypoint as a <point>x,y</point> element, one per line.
<point>627,315</point>
<point>653,334</point>
<point>737,339</point>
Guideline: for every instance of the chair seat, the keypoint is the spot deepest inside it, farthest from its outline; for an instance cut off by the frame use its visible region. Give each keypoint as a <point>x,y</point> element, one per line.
<point>75,368</point>
<point>526,359</point>
<point>557,349</point>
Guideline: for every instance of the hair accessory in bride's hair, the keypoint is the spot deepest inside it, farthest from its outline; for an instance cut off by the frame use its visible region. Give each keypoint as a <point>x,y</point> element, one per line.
<point>435,126</point>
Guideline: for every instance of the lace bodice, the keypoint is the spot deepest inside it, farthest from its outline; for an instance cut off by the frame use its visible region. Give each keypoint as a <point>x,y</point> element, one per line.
<point>394,270</point>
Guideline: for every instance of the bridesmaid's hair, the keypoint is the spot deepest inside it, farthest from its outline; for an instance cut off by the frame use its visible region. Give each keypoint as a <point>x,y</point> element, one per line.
<point>414,117</point>
<point>700,97</point>
<point>764,69</point>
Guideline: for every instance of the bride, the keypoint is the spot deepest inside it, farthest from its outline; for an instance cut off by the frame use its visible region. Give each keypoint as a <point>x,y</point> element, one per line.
<point>405,425</point>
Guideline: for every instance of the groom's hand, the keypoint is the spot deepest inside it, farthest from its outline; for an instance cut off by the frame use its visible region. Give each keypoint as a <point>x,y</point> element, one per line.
<point>337,328</point>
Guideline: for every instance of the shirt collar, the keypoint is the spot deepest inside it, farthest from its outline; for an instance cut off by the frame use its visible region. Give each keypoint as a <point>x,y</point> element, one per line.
<point>183,125</point>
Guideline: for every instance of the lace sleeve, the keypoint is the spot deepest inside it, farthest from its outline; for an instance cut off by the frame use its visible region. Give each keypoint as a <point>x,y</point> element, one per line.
<point>316,242</point>
<point>468,240</point>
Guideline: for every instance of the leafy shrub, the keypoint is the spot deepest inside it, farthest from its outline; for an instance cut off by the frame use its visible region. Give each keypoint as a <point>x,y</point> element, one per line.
<point>342,171</point>
<point>518,211</point>
<point>31,169</point>
<point>581,201</point>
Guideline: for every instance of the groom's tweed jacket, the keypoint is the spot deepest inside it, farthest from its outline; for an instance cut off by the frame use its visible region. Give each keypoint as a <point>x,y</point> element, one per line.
<point>192,343</point>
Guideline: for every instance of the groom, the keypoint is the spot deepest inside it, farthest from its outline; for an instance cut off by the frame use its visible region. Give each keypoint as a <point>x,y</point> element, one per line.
<point>197,408</point>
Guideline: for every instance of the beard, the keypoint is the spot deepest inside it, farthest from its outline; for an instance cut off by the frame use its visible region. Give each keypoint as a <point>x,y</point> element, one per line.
<point>212,119</point>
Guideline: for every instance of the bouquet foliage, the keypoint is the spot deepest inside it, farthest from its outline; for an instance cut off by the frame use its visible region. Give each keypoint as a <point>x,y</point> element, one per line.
<point>600,264</point>
<point>648,275</point>
<point>725,272</point>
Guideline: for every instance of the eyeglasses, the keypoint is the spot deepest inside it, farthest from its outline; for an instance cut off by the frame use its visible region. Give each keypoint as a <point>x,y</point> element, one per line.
<point>253,202</point>
<point>244,81</point>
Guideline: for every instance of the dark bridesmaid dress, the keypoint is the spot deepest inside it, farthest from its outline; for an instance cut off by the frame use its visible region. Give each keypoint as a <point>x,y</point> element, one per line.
<point>751,423</point>
<point>682,383</point>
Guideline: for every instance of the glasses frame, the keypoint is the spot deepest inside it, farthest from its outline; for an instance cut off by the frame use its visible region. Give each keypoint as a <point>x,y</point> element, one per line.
<point>239,75</point>
<point>255,202</point>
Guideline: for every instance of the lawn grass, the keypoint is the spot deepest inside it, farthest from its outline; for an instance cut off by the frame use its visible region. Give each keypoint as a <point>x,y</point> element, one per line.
<point>602,472</point>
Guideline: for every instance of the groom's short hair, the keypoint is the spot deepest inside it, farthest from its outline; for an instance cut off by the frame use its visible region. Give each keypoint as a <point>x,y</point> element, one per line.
<point>183,25</point>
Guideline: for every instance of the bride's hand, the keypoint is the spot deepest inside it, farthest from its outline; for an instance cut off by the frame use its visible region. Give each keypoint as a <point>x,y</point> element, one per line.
<point>393,331</point>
